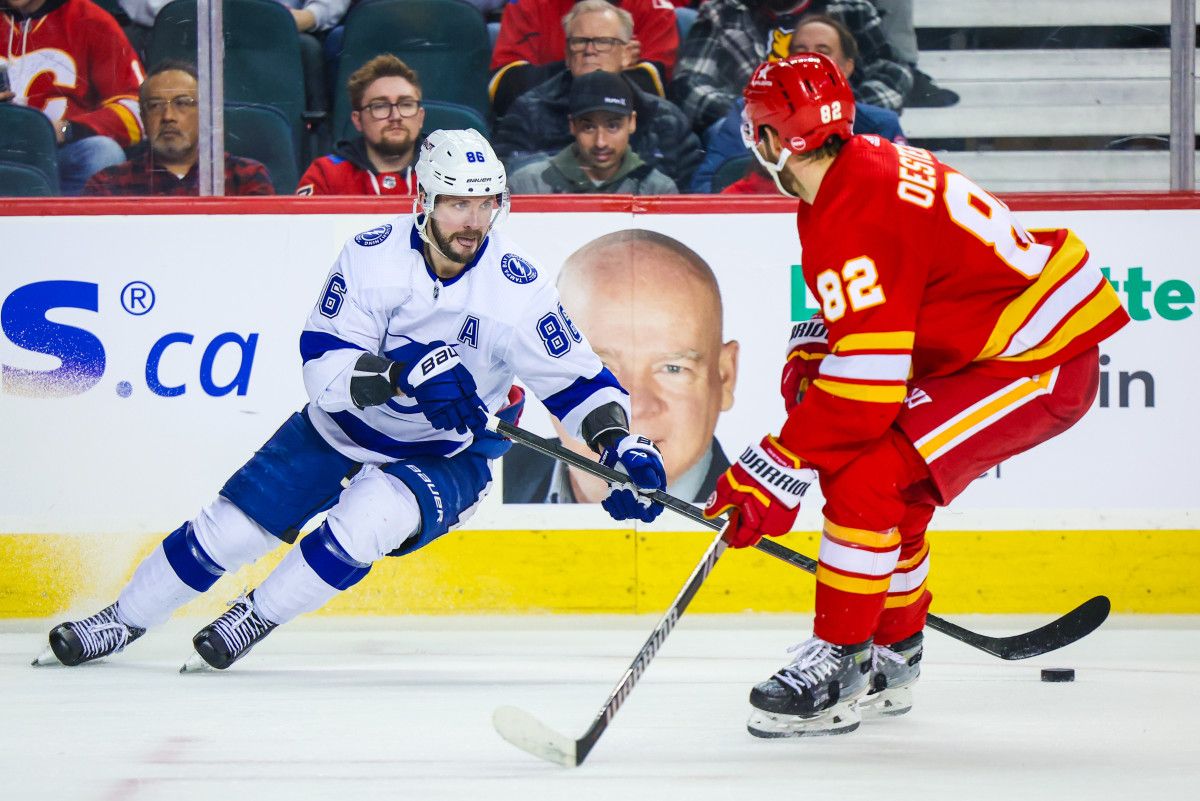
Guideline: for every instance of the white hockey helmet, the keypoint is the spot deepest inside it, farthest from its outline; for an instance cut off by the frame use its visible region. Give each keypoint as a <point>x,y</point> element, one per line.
<point>459,163</point>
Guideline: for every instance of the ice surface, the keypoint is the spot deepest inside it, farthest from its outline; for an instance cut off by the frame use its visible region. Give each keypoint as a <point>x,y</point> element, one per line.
<point>400,708</point>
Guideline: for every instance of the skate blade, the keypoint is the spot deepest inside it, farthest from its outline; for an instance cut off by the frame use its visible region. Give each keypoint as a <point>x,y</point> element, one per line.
<point>838,719</point>
<point>889,703</point>
<point>196,664</point>
<point>46,657</point>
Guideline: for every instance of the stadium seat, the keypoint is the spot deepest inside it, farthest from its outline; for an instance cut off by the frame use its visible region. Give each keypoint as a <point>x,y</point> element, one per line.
<point>262,133</point>
<point>452,116</point>
<point>445,41</point>
<point>732,170</point>
<point>27,137</point>
<point>21,180</point>
<point>262,54</point>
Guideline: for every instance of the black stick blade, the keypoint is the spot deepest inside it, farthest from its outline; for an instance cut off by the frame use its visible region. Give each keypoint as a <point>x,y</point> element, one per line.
<point>1075,625</point>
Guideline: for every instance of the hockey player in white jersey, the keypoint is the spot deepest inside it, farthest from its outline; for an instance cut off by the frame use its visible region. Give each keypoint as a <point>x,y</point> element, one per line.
<point>422,326</point>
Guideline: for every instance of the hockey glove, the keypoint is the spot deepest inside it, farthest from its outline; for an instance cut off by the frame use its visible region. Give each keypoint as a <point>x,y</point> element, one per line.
<point>435,377</point>
<point>761,492</point>
<point>808,346</point>
<point>640,460</point>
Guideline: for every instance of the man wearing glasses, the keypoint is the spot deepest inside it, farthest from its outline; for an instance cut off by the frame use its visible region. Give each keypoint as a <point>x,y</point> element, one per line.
<point>385,96</point>
<point>168,99</point>
<point>599,37</point>
<point>530,47</point>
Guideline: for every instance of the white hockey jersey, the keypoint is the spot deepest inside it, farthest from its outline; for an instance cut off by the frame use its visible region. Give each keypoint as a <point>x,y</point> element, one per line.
<point>501,313</point>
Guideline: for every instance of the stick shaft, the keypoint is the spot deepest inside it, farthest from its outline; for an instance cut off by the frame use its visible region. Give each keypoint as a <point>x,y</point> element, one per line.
<point>1077,623</point>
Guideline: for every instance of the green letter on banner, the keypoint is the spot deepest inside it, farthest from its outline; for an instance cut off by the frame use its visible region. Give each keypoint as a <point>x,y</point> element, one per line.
<point>800,307</point>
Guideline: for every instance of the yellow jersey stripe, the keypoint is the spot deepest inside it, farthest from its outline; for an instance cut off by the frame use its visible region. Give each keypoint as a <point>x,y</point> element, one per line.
<point>1018,312</point>
<point>495,81</point>
<point>907,599</point>
<point>858,586</point>
<point>998,406</point>
<point>1084,320</point>
<point>862,536</point>
<point>128,119</point>
<point>871,393</point>
<point>876,340</point>
<point>915,559</point>
<point>749,490</point>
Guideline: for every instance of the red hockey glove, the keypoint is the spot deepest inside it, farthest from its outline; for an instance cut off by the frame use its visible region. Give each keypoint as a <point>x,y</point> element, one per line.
<point>761,492</point>
<point>808,346</point>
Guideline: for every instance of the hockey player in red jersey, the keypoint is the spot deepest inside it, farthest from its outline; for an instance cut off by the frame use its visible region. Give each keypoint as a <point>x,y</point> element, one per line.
<point>70,60</point>
<point>955,339</point>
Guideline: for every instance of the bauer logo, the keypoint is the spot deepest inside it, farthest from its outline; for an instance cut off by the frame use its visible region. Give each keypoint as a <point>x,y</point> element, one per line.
<point>516,269</point>
<point>57,321</point>
<point>373,237</point>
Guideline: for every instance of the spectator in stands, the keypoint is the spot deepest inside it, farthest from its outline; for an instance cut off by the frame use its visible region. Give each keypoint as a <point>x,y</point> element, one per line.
<point>532,40</point>
<point>536,124</point>
<point>814,33</point>
<point>600,160</point>
<point>732,37</point>
<point>169,165</point>
<point>385,95</point>
<point>651,308</point>
<point>70,60</point>
<point>901,35</point>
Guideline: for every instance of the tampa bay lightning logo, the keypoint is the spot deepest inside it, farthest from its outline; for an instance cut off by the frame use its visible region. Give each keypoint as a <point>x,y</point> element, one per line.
<point>374,236</point>
<point>516,269</point>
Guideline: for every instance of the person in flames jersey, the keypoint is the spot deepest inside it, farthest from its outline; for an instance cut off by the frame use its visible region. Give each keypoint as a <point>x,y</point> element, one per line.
<point>949,339</point>
<point>421,328</point>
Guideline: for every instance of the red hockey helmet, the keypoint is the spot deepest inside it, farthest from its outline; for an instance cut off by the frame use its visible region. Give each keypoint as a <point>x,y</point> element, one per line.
<point>804,97</point>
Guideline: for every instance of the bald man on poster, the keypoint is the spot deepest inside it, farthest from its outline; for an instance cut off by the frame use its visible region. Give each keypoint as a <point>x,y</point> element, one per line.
<point>651,309</point>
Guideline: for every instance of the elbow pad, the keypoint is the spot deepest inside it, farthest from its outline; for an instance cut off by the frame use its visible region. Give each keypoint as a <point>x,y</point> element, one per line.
<point>605,426</point>
<point>373,381</point>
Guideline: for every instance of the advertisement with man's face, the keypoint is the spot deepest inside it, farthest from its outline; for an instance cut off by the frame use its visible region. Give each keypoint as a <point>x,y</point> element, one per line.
<point>651,308</point>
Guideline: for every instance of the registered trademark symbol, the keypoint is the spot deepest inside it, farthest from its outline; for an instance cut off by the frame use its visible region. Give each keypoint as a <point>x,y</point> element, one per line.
<point>137,298</point>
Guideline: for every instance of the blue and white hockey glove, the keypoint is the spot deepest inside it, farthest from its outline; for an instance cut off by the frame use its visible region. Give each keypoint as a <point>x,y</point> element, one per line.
<point>640,460</point>
<point>435,377</point>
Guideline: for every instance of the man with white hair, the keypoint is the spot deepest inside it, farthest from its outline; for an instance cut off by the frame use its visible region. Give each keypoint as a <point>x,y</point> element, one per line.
<point>422,326</point>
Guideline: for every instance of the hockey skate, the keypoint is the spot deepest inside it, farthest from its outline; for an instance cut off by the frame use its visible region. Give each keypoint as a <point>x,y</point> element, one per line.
<point>895,669</point>
<point>814,695</point>
<point>76,642</point>
<point>228,638</point>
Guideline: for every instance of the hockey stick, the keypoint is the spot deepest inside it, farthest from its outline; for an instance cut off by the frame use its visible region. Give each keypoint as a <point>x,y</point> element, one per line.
<point>1074,625</point>
<point>529,734</point>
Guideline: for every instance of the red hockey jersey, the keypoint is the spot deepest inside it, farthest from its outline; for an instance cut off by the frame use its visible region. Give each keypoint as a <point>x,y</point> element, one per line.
<point>531,31</point>
<point>348,172</point>
<point>918,273</point>
<point>72,61</point>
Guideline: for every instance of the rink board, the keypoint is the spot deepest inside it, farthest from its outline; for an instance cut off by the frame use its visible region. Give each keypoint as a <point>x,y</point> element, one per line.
<point>139,373</point>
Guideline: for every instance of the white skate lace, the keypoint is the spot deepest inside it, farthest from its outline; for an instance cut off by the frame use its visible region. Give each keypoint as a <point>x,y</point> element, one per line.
<point>881,654</point>
<point>814,662</point>
<point>241,625</point>
<point>102,634</point>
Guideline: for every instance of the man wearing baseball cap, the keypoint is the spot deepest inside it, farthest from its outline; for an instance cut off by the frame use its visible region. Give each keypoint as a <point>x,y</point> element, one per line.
<point>600,161</point>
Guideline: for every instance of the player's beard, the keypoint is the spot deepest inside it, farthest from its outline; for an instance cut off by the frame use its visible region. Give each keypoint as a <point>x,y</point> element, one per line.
<point>449,247</point>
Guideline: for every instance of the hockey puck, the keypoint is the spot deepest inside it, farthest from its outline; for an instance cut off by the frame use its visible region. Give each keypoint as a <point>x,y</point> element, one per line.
<point>1058,674</point>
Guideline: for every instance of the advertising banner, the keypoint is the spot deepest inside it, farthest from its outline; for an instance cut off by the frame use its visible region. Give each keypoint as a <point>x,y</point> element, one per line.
<point>144,358</point>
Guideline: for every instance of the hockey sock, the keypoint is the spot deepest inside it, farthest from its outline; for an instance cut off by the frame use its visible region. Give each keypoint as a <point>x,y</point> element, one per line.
<point>173,574</point>
<point>308,577</point>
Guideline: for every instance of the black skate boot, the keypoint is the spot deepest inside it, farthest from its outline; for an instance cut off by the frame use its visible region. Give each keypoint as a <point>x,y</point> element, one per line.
<point>895,669</point>
<point>81,641</point>
<point>228,638</point>
<point>815,694</point>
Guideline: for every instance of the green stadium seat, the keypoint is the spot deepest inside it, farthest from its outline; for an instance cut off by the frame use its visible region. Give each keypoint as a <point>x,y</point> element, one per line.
<point>262,133</point>
<point>262,54</point>
<point>27,137</point>
<point>445,41</point>
<point>21,180</point>
<point>452,116</point>
<point>730,171</point>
